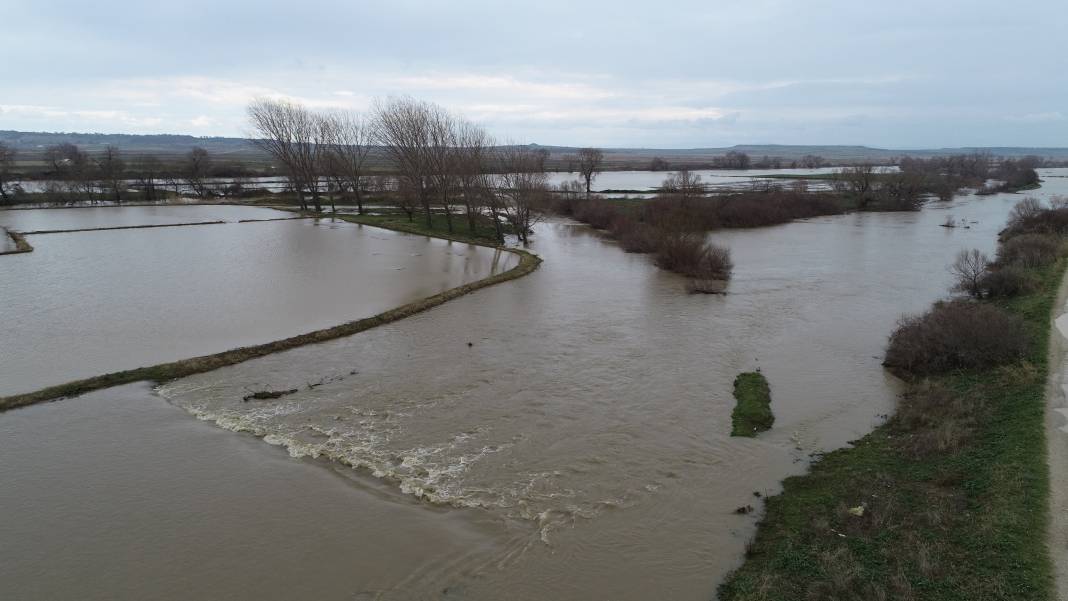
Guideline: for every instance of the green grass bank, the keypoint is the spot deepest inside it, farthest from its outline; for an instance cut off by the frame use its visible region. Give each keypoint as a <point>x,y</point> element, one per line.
<point>948,501</point>
<point>752,411</point>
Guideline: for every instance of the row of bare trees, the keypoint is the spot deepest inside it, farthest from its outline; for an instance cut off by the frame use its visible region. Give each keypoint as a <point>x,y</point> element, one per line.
<point>444,163</point>
<point>76,175</point>
<point>7,172</point>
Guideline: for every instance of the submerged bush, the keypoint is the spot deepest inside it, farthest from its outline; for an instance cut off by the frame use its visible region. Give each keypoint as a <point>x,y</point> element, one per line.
<point>956,335</point>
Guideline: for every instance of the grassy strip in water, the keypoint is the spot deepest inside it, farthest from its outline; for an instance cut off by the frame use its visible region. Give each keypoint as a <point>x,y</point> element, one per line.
<point>21,245</point>
<point>484,233</point>
<point>119,227</point>
<point>528,262</point>
<point>752,413</point>
<point>947,500</point>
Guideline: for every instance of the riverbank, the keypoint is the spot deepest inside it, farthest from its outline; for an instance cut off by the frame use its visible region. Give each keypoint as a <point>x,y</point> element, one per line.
<point>185,367</point>
<point>950,507</point>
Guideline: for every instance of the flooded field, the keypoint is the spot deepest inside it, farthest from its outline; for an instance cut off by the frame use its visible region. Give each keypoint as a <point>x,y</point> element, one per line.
<point>562,436</point>
<point>29,220</point>
<point>89,303</point>
<point>648,181</point>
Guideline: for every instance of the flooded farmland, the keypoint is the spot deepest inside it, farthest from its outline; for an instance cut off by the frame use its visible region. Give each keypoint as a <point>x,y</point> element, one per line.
<point>578,447</point>
<point>89,303</point>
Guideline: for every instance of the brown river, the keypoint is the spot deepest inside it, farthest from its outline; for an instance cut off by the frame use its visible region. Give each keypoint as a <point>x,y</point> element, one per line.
<point>562,436</point>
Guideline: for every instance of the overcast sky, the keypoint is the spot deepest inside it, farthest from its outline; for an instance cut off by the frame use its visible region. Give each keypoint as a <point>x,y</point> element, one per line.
<point>706,73</point>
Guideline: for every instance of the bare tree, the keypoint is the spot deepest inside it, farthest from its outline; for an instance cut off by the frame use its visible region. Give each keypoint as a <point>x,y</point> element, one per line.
<point>1026,209</point>
<point>444,156</point>
<point>859,180</point>
<point>72,167</point>
<point>902,191</point>
<point>402,126</point>
<point>348,138</point>
<point>523,187</point>
<point>733,160</point>
<point>472,144</point>
<point>148,169</point>
<point>969,268</point>
<point>111,169</point>
<point>295,137</point>
<point>7,168</point>
<point>196,170</point>
<point>684,184</point>
<point>589,165</point>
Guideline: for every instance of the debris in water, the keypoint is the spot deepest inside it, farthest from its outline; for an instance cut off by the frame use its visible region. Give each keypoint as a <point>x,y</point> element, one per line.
<point>267,394</point>
<point>744,509</point>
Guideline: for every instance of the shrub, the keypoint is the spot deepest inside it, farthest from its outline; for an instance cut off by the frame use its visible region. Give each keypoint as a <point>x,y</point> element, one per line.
<point>1010,280</point>
<point>681,252</point>
<point>713,271</point>
<point>1026,209</point>
<point>634,236</point>
<point>597,213</point>
<point>956,335</point>
<point>1029,250</point>
<point>715,264</point>
<point>1048,221</point>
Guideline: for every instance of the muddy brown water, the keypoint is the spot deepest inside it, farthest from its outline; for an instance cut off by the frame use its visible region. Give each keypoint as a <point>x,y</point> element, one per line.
<point>89,303</point>
<point>577,449</point>
<point>30,220</point>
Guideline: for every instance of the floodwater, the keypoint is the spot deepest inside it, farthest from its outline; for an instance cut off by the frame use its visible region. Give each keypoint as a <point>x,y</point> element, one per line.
<point>578,448</point>
<point>7,244</point>
<point>89,303</point>
<point>116,498</point>
<point>607,180</point>
<point>30,220</point>
<point>649,181</point>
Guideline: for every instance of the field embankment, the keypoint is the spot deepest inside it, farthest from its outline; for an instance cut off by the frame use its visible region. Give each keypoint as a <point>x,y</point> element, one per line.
<point>528,262</point>
<point>21,245</point>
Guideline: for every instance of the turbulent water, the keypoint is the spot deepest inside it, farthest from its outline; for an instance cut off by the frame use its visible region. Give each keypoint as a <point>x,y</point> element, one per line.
<point>573,424</point>
<point>89,303</point>
<point>593,401</point>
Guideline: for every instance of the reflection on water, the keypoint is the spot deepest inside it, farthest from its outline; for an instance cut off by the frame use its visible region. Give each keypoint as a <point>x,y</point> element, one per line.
<point>581,413</point>
<point>30,220</point>
<point>89,303</point>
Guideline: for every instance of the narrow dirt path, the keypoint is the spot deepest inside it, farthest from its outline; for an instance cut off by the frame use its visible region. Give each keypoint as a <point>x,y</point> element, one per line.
<point>1057,442</point>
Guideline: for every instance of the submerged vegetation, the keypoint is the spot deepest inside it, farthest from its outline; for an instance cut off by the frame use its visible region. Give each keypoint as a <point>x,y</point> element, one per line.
<point>949,498</point>
<point>752,413</point>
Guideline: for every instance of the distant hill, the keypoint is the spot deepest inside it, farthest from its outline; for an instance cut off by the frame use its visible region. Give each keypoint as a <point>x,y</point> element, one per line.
<point>31,144</point>
<point>162,144</point>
